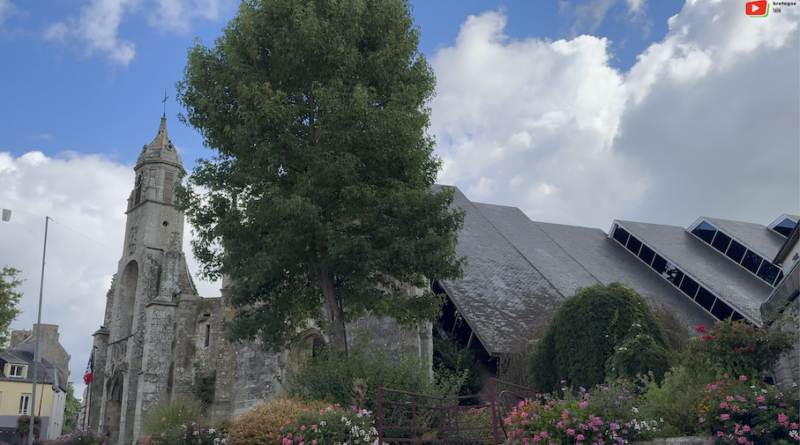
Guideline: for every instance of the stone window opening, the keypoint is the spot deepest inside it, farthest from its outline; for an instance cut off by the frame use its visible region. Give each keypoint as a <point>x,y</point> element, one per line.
<point>208,335</point>
<point>138,197</point>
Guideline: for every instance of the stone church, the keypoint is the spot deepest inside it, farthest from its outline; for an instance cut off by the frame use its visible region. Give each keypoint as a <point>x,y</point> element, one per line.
<point>158,335</point>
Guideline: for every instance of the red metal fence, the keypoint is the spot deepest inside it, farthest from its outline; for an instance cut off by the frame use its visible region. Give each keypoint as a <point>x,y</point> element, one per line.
<point>423,419</point>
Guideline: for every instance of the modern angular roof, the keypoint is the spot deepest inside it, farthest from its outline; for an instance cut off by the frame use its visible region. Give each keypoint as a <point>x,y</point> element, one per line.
<point>717,273</point>
<point>756,236</point>
<point>519,270</point>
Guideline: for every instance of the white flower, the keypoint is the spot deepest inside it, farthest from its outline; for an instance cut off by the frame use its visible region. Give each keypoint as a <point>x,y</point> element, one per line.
<point>636,410</point>
<point>323,423</point>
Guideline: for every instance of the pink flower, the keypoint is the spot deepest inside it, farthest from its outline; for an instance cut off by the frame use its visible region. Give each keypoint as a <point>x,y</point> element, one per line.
<point>742,439</point>
<point>579,437</point>
<point>543,434</point>
<point>702,420</point>
<point>746,428</point>
<point>571,432</point>
<point>163,419</point>
<point>314,427</point>
<point>302,427</point>
<point>725,416</point>
<point>729,398</point>
<point>792,426</point>
<point>583,404</point>
<point>743,378</point>
<point>723,405</point>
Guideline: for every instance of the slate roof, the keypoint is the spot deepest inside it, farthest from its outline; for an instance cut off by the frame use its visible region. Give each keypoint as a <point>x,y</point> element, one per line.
<point>756,236</point>
<point>519,270</point>
<point>23,355</point>
<point>716,272</point>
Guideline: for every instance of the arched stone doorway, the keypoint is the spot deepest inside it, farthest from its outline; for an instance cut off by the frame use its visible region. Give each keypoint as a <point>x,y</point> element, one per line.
<point>311,340</point>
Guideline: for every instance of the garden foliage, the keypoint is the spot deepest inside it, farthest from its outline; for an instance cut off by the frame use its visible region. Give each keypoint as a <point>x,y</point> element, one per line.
<point>262,424</point>
<point>331,376</point>
<point>605,414</point>
<point>189,433</point>
<point>617,327</point>
<point>329,426</point>
<point>81,436</point>
<point>165,416</point>
<point>735,348</point>
<point>740,410</point>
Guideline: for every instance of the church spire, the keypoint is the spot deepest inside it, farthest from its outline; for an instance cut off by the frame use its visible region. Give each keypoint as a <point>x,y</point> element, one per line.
<point>161,150</point>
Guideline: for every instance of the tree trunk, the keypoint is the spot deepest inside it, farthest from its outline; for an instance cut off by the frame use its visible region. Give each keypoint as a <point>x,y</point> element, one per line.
<point>334,312</point>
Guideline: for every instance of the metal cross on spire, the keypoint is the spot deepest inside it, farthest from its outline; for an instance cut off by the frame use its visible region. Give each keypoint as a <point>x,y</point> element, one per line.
<point>164,101</point>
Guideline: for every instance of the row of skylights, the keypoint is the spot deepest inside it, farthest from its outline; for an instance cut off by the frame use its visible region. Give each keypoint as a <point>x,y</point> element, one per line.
<point>741,255</point>
<point>671,273</point>
<point>784,227</point>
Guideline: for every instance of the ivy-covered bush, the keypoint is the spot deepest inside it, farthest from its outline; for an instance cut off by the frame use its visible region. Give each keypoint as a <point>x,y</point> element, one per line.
<point>739,410</point>
<point>735,348</point>
<point>80,436</point>
<point>262,424</point>
<point>601,415</point>
<point>609,317</point>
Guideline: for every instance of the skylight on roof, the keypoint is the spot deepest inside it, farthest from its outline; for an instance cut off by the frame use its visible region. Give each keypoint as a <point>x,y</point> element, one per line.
<point>784,227</point>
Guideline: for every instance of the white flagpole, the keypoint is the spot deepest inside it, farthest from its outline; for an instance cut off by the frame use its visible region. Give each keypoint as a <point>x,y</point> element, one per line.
<point>36,356</point>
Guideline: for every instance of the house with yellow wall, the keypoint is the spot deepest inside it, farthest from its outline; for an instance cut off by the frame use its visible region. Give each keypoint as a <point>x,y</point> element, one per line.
<point>16,384</point>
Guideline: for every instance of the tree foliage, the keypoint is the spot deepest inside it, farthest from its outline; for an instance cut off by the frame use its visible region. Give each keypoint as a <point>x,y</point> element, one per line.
<point>9,299</point>
<point>321,191</point>
<point>600,332</point>
<point>71,409</point>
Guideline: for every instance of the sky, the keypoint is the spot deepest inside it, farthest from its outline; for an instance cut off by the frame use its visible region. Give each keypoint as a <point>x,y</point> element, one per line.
<point>577,112</point>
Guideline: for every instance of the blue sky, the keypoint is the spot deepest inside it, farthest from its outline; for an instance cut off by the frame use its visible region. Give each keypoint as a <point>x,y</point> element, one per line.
<point>56,92</point>
<point>576,112</point>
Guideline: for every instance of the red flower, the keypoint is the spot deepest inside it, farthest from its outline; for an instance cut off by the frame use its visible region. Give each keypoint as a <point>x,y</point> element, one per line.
<point>701,329</point>
<point>707,337</point>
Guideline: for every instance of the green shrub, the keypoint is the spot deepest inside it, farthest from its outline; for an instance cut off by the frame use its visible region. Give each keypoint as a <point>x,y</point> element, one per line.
<point>456,358</point>
<point>81,436</point>
<point>585,331</point>
<point>675,400</point>
<point>735,348</point>
<point>165,416</point>
<point>262,424</point>
<point>353,380</point>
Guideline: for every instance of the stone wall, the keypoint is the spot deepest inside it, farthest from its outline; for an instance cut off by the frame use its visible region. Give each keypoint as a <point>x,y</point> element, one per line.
<point>787,369</point>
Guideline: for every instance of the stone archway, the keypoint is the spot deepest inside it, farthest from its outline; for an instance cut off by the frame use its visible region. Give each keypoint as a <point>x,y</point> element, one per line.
<point>127,295</point>
<point>308,346</point>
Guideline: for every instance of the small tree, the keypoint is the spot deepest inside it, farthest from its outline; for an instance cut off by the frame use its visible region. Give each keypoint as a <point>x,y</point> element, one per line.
<point>320,202</point>
<point>598,333</point>
<point>9,299</point>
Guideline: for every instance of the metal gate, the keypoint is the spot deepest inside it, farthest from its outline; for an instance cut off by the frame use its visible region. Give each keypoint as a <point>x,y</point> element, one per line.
<point>419,418</point>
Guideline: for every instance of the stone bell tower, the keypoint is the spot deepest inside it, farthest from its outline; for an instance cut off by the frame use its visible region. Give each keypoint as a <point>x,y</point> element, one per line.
<point>133,350</point>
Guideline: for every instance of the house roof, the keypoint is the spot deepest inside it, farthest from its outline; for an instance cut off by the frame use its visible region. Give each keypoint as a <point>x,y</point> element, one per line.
<point>756,236</point>
<point>717,273</point>
<point>519,270</point>
<point>23,355</point>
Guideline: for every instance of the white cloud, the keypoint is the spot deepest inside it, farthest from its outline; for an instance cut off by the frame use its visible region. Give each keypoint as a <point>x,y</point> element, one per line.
<point>6,9</point>
<point>703,123</point>
<point>44,136</point>
<point>98,26</point>
<point>84,193</point>
<point>588,15</point>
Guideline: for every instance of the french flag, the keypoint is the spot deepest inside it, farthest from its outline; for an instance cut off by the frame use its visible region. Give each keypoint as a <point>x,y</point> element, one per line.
<point>87,378</point>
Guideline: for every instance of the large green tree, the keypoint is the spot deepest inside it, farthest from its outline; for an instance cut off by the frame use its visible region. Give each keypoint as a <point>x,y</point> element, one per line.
<point>320,201</point>
<point>9,299</point>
